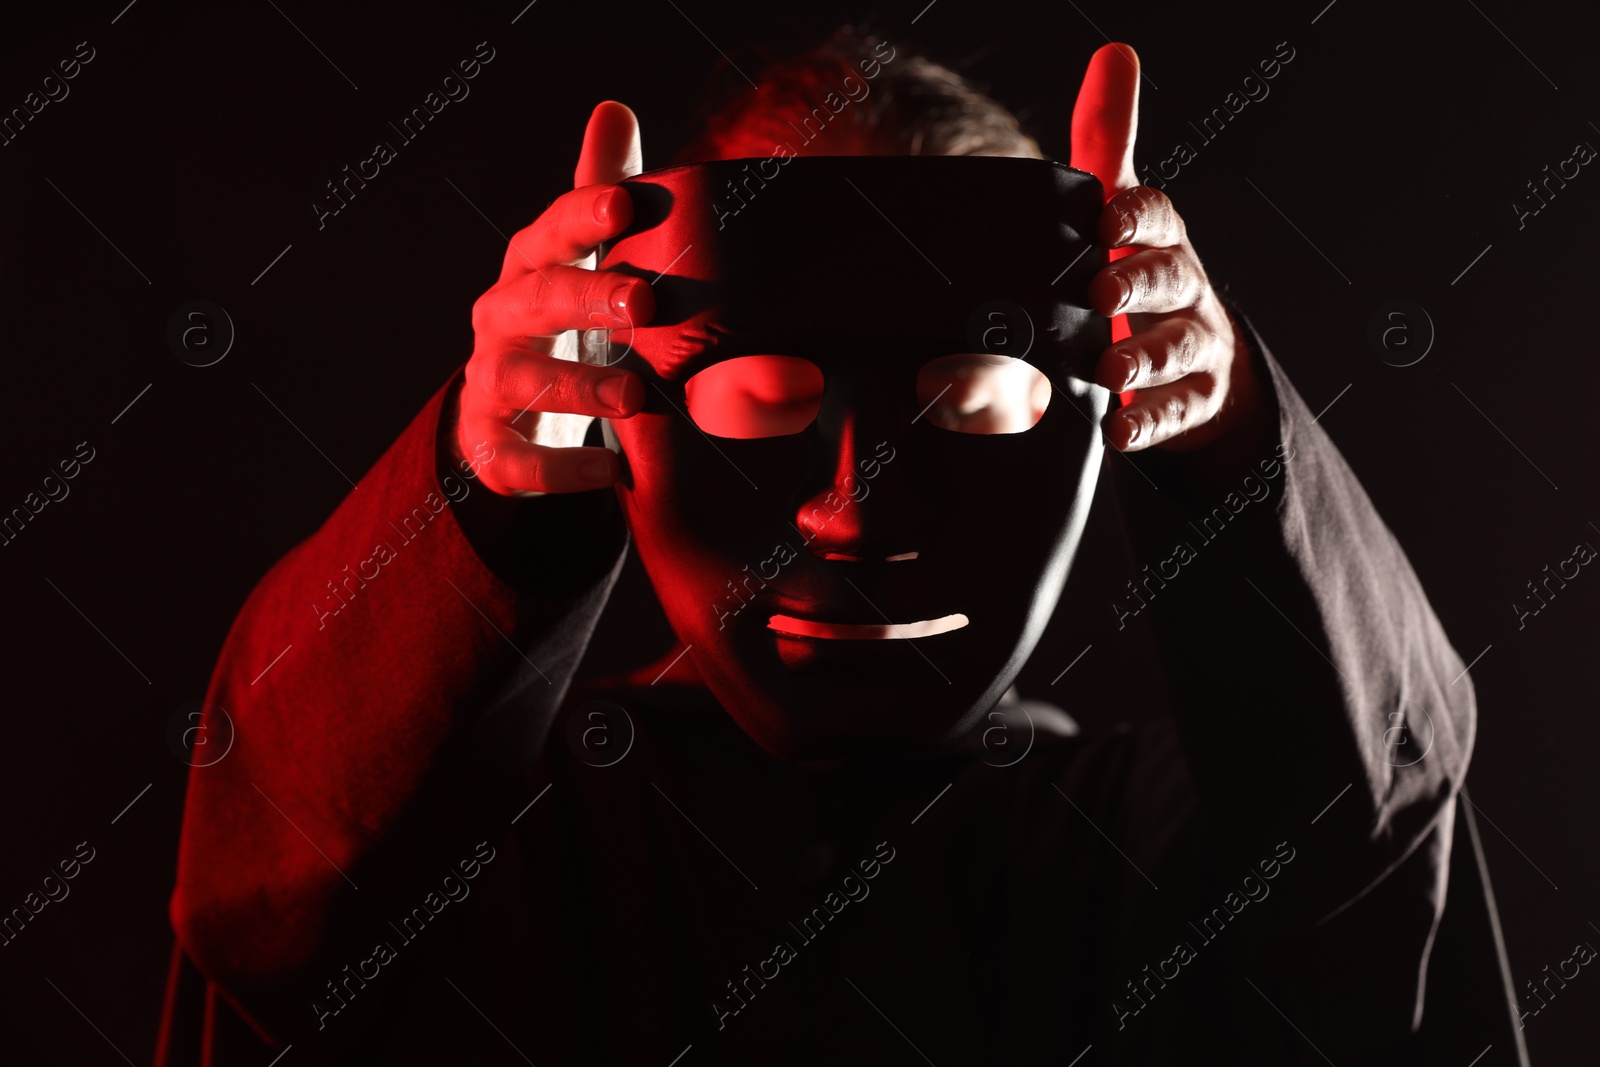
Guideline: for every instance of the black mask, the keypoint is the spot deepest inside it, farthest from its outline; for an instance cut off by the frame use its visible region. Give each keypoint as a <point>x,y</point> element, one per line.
<point>871,437</point>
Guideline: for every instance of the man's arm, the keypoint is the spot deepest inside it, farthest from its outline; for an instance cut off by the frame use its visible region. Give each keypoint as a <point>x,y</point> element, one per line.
<point>1318,703</point>
<point>1299,643</point>
<point>400,665</point>
<point>353,678</point>
<point>1330,670</point>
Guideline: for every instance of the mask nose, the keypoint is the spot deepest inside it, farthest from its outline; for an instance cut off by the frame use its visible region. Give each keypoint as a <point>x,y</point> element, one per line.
<point>859,504</point>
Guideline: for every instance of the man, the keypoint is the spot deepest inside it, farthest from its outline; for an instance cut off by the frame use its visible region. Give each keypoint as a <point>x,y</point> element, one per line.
<point>409,856</point>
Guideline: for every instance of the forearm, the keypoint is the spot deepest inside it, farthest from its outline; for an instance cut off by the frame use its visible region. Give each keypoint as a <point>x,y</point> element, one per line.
<point>359,671</point>
<point>1328,636</point>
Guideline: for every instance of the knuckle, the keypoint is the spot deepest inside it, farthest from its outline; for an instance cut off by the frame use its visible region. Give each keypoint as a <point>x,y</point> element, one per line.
<point>1166,216</point>
<point>538,293</point>
<point>1173,410</point>
<point>498,375</point>
<point>473,376</point>
<point>1157,274</point>
<point>1148,201</point>
<point>548,301</point>
<point>552,222</point>
<point>483,311</point>
<point>521,242</point>
<point>1176,281</point>
<point>1144,276</point>
<point>1160,206</point>
<point>1149,212</point>
<point>1173,266</point>
<point>566,389</point>
<point>529,471</point>
<point>550,217</point>
<point>596,295</point>
<point>1188,348</point>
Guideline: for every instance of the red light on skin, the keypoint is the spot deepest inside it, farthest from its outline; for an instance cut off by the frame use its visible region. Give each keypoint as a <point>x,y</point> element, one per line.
<point>755,396</point>
<point>758,396</point>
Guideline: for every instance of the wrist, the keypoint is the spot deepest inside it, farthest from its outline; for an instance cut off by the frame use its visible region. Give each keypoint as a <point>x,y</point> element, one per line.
<point>1246,426</point>
<point>483,515</point>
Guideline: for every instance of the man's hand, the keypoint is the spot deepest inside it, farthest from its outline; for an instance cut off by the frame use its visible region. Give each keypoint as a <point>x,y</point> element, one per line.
<point>1180,362</point>
<point>526,394</point>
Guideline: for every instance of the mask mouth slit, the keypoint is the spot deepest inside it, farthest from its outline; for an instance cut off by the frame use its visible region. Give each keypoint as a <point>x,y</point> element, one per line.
<point>871,631</point>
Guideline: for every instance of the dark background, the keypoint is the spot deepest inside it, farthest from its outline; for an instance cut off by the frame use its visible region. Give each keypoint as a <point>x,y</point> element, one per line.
<point>1391,147</point>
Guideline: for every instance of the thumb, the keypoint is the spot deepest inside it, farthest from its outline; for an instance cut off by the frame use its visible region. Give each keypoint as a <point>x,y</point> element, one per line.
<point>611,148</point>
<point>1105,119</point>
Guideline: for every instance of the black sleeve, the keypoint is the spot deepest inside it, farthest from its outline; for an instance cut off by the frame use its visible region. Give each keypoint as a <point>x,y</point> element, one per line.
<point>1318,703</point>
<point>386,683</point>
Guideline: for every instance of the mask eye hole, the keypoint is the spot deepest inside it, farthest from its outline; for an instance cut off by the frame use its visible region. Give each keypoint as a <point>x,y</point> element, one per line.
<point>755,396</point>
<point>982,393</point>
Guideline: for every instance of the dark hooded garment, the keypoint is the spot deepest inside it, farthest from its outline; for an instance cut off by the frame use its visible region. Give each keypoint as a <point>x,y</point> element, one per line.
<point>458,871</point>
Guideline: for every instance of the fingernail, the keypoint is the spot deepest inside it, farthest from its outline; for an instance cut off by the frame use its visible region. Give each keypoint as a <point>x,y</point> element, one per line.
<point>1132,370</point>
<point>1133,430</point>
<point>1128,224</point>
<point>619,300</point>
<point>613,391</point>
<point>604,203</point>
<point>1122,287</point>
<point>596,471</point>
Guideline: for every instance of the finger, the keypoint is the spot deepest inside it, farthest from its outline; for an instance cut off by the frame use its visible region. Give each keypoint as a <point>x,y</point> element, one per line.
<point>1163,412</point>
<point>515,381</point>
<point>540,304</point>
<point>520,468</point>
<point>1171,348</point>
<point>1105,121</point>
<point>568,230</point>
<point>1141,216</point>
<point>611,146</point>
<point>1150,282</point>
<point>1105,118</point>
